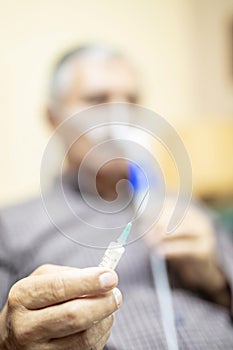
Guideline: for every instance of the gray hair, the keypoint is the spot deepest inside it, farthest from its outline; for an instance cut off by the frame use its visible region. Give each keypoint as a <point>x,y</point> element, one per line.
<point>95,52</point>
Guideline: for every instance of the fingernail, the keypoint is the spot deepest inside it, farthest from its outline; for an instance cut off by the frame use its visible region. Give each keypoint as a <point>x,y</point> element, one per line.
<point>107,280</point>
<point>118,297</point>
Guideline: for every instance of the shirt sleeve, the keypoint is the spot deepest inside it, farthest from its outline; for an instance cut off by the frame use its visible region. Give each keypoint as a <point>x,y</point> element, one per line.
<point>224,247</point>
<point>225,258</point>
<point>7,270</point>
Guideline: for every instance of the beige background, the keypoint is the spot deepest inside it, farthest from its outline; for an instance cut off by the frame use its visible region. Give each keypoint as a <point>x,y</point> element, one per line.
<point>181,48</point>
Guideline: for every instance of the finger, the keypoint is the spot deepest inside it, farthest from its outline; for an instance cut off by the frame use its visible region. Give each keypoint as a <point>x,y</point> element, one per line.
<point>102,341</point>
<point>35,292</point>
<point>176,236</point>
<point>154,239</point>
<point>182,248</point>
<point>87,339</point>
<point>73,316</point>
<point>49,268</point>
<point>74,344</point>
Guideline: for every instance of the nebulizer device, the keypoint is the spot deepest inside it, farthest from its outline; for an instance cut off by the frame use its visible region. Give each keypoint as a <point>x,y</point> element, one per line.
<point>116,249</point>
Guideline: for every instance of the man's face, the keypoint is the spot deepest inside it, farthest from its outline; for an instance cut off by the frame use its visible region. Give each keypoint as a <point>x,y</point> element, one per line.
<point>89,82</point>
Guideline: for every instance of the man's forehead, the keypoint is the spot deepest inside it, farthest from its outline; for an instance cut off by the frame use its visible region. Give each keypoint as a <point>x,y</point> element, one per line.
<point>91,67</point>
<point>87,74</point>
<point>111,72</point>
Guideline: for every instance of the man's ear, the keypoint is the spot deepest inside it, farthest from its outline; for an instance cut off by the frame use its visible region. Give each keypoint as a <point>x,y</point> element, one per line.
<point>51,116</point>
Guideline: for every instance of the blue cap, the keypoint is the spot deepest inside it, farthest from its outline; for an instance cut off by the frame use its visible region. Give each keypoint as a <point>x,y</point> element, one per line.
<point>137,177</point>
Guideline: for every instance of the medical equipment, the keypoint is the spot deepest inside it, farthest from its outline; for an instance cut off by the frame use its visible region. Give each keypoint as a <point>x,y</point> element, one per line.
<point>161,282</point>
<point>158,263</point>
<point>116,249</point>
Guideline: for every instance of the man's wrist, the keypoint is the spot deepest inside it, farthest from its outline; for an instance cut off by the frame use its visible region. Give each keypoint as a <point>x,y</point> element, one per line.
<point>223,297</point>
<point>204,277</point>
<point>221,292</point>
<point>215,286</point>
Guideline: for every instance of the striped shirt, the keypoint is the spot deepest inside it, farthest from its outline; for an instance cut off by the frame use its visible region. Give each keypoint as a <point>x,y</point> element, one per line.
<point>30,237</point>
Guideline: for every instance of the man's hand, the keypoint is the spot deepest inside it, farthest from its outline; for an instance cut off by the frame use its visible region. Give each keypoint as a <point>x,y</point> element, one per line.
<point>60,308</point>
<point>191,252</point>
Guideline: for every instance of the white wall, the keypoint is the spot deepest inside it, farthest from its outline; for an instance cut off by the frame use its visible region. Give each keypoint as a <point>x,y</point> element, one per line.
<point>178,46</point>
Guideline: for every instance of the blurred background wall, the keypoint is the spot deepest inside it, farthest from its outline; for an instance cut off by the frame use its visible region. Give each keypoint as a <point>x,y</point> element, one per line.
<point>183,50</point>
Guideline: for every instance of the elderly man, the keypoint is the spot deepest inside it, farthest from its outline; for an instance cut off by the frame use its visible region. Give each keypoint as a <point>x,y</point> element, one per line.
<point>55,299</point>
